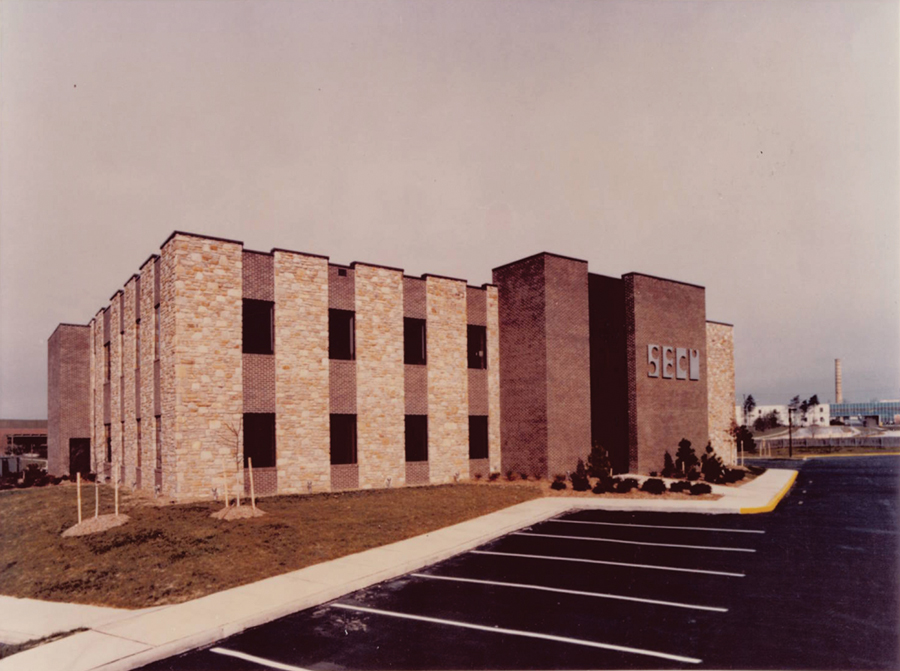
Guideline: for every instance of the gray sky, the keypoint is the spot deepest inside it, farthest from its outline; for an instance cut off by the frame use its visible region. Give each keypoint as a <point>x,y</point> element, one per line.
<point>751,147</point>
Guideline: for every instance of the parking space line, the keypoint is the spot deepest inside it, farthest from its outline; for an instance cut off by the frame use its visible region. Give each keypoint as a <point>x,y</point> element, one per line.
<point>519,632</point>
<point>610,563</point>
<point>624,542</point>
<point>662,526</point>
<point>258,660</point>
<point>601,595</point>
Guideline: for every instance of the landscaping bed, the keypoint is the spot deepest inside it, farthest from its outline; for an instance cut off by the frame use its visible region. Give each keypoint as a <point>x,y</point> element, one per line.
<point>171,554</point>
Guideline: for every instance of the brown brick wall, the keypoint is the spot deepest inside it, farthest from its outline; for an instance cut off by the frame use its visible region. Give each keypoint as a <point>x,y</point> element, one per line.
<point>68,393</point>
<point>129,408</point>
<point>149,383</point>
<point>414,302</point>
<point>259,382</point>
<point>344,476</point>
<point>341,289</point>
<point>568,363</point>
<point>415,389</point>
<point>342,387</point>
<point>115,393</point>
<point>523,366</point>
<point>417,473</point>
<point>476,306</point>
<point>258,275</point>
<point>666,313</point>
<point>720,366</point>
<point>265,481</point>
<point>493,378</point>
<point>478,391</point>
<point>379,376</point>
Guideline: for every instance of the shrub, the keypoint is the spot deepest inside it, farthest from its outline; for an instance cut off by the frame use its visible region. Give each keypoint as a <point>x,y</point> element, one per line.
<point>680,486</point>
<point>558,484</point>
<point>733,475</point>
<point>668,470</point>
<point>598,463</point>
<point>580,481</point>
<point>493,476</point>
<point>685,458</point>
<point>510,476</point>
<point>711,466</point>
<point>653,486</point>
<point>34,475</point>
<point>693,475</point>
<point>626,485</point>
<point>523,476</point>
<point>654,474</point>
<point>478,476</point>
<point>700,488</point>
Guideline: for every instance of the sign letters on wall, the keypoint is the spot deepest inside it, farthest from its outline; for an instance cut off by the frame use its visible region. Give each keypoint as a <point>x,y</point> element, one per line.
<point>669,362</point>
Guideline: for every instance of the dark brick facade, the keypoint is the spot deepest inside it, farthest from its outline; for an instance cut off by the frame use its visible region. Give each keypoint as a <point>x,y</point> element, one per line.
<point>414,304</point>
<point>68,394</point>
<point>341,288</point>
<point>344,476</point>
<point>259,382</point>
<point>417,473</point>
<point>476,306</point>
<point>265,481</point>
<point>415,389</point>
<point>342,387</point>
<point>258,276</point>
<point>663,410</point>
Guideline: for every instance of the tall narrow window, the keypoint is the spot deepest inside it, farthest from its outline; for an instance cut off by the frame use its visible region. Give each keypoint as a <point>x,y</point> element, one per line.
<point>107,363</point>
<point>478,437</point>
<point>139,443</point>
<point>156,333</point>
<point>417,438</point>
<point>477,346</point>
<point>259,439</point>
<point>413,341</point>
<point>107,432</point>
<point>343,439</point>
<point>158,444</point>
<point>341,334</point>
<point>137,344</point>
<point>258,327</point>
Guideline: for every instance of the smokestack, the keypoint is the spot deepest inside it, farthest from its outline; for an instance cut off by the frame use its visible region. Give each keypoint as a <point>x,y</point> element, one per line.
<point>838,387</point>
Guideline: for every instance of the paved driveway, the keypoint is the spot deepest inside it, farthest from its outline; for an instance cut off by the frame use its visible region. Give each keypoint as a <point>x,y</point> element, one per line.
<point>813,585</point>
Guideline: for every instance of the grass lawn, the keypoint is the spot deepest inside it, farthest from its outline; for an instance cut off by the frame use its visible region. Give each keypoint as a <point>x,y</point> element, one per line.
<point>170,554</point>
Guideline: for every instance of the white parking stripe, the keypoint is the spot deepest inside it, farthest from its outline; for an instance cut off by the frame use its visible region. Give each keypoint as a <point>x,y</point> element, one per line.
<point>662,526</point>
<point>518,632</point>
<point>257,660</point>
<point>601,595</point>
<point>610,563</point>
<point>622,542</point>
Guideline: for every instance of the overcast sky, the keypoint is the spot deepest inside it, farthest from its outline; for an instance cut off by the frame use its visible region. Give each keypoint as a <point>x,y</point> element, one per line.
<point>750,147</point>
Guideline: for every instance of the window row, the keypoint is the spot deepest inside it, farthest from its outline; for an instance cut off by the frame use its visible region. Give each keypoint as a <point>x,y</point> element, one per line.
<point>259,335</point>
<point>259,438</point>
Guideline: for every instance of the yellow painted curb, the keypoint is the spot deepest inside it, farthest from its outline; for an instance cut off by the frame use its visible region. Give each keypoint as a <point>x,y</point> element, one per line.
<point>849,454</point>
<point>775,499</point>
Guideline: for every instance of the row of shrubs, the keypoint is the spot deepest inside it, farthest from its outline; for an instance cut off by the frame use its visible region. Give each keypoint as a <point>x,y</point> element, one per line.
<point>35,476</point>
<point>613,484</point>
<point>709,466</point>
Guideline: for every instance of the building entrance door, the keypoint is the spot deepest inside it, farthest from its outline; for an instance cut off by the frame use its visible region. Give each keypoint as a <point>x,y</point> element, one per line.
<point>79,456</point>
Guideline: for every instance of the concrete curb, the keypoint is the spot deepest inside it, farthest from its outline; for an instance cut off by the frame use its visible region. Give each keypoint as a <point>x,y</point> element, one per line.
<point>770,506</point>
<point>143,637</point>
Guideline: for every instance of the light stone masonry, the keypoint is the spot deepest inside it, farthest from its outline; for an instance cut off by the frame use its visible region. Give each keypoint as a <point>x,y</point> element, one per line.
<point>148,419</point>
<point>448,406</point>
<point>128,359</point>
<point>115,405</point>
<point>201,364</point>
<point>301,372</point>
<point>380,377</point>
<point>493,376</point>
<point>720,376</point>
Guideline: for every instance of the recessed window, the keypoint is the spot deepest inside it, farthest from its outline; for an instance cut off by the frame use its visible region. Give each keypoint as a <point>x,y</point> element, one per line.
<point>342,272</point>
<point>414,341</point>
<point>477,346</point>
<point>478,437</point>
<point>138,443</point>
<point>417,437</point>
<point>107,432</point>
<point>341,335</point>
<point>158,444</point>
<point>106,362</point>
<point>258,327</point>
<point>156,332</point>
<point>259,439</point>
<point>343,439</point>
<point>137,344</point>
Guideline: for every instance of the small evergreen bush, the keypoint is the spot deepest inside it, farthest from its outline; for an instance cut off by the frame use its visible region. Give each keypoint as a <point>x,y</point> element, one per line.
<point>711,466</point>
<point>558,484</point>
<point>685,458</point>
<point>580,480</point>
<point>626,485</point>
<point>680,486</point>
<point>510,475</point>
<point>700,488</point>
<point>668,470</point>
<point>493,476</point>
<point>653,486</point>
<point>693,475</point>
<point>598,463</point>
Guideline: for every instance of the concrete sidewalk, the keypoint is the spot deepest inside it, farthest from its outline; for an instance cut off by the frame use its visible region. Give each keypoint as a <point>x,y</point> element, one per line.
<point>133,638</point>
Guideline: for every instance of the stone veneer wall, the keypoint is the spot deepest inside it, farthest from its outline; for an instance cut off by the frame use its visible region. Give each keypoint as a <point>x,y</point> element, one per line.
<point>128,406</point>
<point>720,386</point>
<point>493,377</point>
<point>98,448</point>
<point>379,376</point>
<point>201,363</point>
<point>115,386</point>
<point>448,412</point>
<point>301,372</point>
<point>69,393</point>
<point>148,385</point>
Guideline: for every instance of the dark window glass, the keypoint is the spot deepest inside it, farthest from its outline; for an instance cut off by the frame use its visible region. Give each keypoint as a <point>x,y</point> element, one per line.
<point>417,438</point>
<point>341,336</point>
<point>158,444</point>
<point>259,439</point>
<point>107,364</point>
<point>343,439</point>
<point>258,328</point>
<point>156,332</point>
<point>108,434</point>
<point>137,344</point>
<point>478,437</point>
<point>413,341</point>
<point>138,443</point>
<point>477,346</point>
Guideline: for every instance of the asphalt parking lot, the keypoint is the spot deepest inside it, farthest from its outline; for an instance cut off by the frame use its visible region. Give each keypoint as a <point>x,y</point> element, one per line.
<point>813,585</point>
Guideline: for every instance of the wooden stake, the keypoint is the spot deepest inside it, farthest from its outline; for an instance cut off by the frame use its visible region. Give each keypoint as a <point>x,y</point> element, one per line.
<point>78,484</point>
<point>252,493</point>
<point>225,478</point>
<point>117,498</point>
<point>96,498</point>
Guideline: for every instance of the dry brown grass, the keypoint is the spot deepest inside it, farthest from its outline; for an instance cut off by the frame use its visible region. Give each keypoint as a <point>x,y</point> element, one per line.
<point>170,554</point>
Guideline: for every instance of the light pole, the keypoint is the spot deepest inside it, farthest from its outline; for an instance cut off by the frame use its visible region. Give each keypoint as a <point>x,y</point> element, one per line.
<point>790,433</point>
